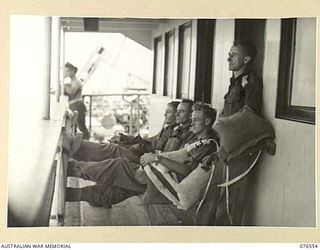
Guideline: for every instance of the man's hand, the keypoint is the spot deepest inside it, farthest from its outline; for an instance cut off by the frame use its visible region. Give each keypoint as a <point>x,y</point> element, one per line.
<point>148,158</point>
<point>115,139</point>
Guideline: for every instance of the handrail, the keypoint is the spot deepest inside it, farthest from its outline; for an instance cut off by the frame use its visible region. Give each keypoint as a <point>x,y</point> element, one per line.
<point>123,95</point>
<point>32,165</point>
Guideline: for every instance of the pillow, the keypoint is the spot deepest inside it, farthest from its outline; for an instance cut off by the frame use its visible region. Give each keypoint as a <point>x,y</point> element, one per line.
<point>241,131</point>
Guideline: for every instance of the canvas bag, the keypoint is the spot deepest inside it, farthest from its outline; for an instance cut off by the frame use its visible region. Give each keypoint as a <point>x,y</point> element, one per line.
<point>190,190</point>
<point>241,131</point>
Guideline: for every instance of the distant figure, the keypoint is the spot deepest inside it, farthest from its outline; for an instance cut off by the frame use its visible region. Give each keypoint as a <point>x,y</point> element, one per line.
<point>74,91</point>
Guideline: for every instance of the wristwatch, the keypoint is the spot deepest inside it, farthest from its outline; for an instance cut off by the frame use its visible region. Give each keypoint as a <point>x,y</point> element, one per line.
<point>157,158</point>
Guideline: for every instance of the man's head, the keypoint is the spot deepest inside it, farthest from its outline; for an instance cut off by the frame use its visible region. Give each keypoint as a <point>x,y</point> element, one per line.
<point>69,70</point>
<point>170,114</point>
<point>184,111</point>
<point>203,117</point>
<point>241,55</point>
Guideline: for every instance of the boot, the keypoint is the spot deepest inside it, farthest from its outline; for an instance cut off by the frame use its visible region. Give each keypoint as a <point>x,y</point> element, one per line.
<point>76,143</point>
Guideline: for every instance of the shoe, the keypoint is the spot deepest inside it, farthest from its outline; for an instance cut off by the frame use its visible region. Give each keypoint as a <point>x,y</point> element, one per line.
<point>68,113</point>
<point>73,194</point>
<point>76,143</point>
<point>95,205</point>
<point>67,139</point>
<point>74,118</point>
<point>73,170</point>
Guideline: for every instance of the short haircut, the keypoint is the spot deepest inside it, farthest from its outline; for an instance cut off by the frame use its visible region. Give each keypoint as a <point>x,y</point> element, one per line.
<point>174,104</point>
<point>72,67</point>
<point>189,102</point>
<point>249,48</point>
<point>208,111</point>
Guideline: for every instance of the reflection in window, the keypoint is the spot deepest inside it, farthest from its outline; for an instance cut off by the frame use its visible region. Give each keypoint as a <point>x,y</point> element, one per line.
<point>157,71</point>
<point>184,60</point>
<point>296,82</point>
<point>303,85</point>
<point>169,63</point>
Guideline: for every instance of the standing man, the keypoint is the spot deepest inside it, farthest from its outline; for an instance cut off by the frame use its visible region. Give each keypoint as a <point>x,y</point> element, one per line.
<point>74,91</point>
<point>245,89</point>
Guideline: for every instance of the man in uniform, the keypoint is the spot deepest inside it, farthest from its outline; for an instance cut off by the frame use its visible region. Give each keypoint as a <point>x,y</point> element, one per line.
<point>183,164</point>
<point>129,148</point>
<point>116,177</point>
<point>245,86</point>
<point>225,206</point>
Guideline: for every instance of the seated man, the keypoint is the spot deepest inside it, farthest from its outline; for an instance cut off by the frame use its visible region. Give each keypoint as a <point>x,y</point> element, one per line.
<point>182,134</point>
<point>118,174</point>
<point>187,160</point>
<point>116,179</point>
<point>93,151</point>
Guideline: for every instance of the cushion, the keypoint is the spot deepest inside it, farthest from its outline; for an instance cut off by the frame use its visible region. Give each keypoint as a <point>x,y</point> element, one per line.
<point>241,131</point>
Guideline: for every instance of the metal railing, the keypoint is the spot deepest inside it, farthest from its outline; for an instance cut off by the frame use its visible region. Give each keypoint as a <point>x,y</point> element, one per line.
<point>133,105</point>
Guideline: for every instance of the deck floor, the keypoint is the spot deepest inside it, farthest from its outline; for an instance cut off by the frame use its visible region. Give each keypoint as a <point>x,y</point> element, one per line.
<point>131,212</point>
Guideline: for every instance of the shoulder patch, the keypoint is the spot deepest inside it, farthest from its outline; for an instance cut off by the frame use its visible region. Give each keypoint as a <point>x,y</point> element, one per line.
<point>176,127</point>
<point>244,81</point>
<point>199,144</point>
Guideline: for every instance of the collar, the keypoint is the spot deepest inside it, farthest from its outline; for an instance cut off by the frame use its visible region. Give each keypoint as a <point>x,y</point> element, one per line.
<point>210,135</point>
<point>236,79</point>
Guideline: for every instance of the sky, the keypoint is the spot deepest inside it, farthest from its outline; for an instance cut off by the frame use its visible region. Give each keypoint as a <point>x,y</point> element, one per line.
<point>123,57</point>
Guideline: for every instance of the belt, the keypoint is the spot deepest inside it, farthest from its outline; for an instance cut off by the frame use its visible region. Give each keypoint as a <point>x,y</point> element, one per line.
<point>75,100</point>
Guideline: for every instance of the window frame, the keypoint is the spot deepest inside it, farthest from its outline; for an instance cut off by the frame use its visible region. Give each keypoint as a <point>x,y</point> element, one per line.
<point>284,109</point>
<point>168,35</point>
<point>156,67</point>
<point>182,28</point>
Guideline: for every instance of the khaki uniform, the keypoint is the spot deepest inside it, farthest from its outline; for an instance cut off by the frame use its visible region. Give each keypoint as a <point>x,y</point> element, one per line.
<point>95,152</point>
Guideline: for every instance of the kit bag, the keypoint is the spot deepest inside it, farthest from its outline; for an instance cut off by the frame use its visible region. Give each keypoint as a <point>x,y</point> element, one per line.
<point>241,131</point>
<point>183,194</point>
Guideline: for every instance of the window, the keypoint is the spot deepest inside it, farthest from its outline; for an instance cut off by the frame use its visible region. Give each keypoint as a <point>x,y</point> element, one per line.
<point>184,56</point>
<point>296,84</point>
<point>169,62</point>
<point>157,71</point>
<point>205,37</point>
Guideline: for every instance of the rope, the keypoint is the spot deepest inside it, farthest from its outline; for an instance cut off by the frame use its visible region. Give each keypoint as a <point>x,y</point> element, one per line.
<point>227,196</point>
<point>207,188</point>
<point>234,180</point>
<point>228,183</point>
<point>209,182</point>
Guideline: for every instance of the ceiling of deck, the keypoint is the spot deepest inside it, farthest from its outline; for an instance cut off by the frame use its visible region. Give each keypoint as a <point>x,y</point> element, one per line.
<point>76,24</point>
<point>138,29</point>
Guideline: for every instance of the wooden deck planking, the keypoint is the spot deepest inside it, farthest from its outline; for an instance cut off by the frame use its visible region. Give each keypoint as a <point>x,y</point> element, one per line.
<point>94,216</point>
<point>130,212</point>
<point>72,209</point>
<point>161,215</point>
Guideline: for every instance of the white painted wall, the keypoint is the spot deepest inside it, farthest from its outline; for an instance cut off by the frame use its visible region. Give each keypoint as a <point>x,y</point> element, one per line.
<point>286,182</point>
<point>223,38</point>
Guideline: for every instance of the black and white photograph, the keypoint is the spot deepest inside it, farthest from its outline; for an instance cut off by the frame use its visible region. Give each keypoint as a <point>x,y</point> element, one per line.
<point>165,128</point>
<point>161,122</point>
